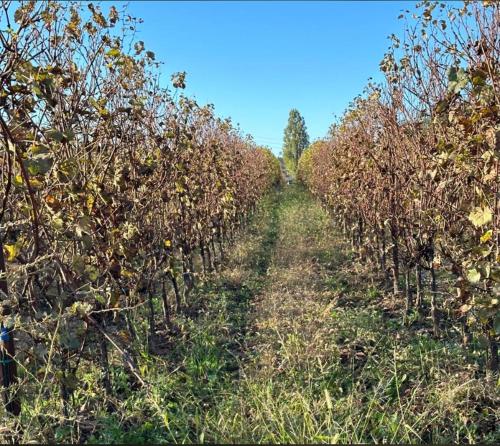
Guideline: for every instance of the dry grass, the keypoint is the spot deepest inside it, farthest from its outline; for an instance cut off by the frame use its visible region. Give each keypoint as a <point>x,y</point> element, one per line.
<point>322,364</point>
<point>294,343</point>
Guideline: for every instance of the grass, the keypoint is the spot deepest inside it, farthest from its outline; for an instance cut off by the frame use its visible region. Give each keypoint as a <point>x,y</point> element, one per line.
<point>294,344</point>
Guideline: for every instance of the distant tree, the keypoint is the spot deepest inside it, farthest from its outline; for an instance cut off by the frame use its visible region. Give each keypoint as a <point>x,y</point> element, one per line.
<point>295,140</point>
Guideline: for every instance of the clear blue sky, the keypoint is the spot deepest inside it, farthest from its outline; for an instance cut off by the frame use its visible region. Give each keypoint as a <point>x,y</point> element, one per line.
<point>256,60</point>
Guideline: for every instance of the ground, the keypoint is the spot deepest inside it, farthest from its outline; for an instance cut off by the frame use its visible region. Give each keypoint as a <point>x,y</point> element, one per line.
<point>295,342</point>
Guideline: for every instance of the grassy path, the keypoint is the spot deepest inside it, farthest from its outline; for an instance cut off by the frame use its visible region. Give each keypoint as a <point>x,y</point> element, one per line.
<point>281,395</point>
<point>295,343</point>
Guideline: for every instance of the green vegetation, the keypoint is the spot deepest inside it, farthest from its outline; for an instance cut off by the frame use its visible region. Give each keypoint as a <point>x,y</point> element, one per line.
<point>159,285</point>
<point>295,342</point>
<point>295,140</point>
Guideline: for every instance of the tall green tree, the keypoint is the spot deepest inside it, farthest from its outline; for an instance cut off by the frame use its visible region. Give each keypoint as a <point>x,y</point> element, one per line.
<point>295,140</point>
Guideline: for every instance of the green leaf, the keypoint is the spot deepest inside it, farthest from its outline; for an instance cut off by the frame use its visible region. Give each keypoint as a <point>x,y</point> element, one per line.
<point>485,251</point>
<point>78,264</point>
<point>495,275</point>
<point>473,275</point>
<point>69,135</point>
<point>36,89</point>
<point>496,324</point>
<point>69,341</point>
<point>57,222</point>
<point>67,169</point>
<point>452,74</point>
<point>114,52</point>
<point>480,216</point>
<point>39,165</point>
<point>458,79</point>
<point>55,135</point>
<point>39,149</point>
<point>92,272</point>
<point>100,298</point>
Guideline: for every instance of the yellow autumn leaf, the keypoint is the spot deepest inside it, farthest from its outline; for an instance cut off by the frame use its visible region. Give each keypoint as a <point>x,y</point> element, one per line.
<point>90,202</point>
<point>17,180</point>
<point>486,236</point>
<point>37,149</point>
<point>35,183</point>
<point>12,251</point>
<point>127,273</point>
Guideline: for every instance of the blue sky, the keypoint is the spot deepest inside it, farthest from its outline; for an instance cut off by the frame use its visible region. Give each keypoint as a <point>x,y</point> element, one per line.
<point>256,60</point>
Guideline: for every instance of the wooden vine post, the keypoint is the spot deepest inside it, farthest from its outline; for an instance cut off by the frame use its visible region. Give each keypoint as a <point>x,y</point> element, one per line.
<point>8,368</point>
